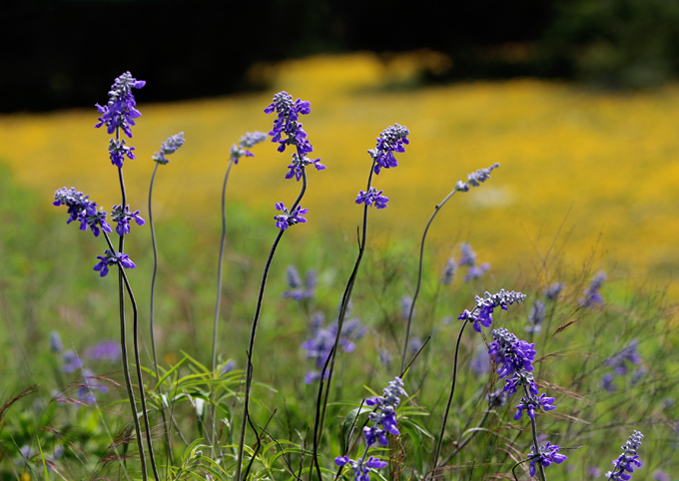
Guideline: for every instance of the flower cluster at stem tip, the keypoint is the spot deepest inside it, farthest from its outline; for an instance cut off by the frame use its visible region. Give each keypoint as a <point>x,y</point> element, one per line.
<point>475,179</point>
<point>482,314</point>
<point>170,146</point>
<point>628,460</point>
<point>247,141</point>
<point>287,218</point>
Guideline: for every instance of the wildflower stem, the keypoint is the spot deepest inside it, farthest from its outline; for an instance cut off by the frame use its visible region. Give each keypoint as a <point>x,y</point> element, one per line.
<point>253,332</point>
<point>419,276</point>
<point>536,443</point>
<point>322,401</point>
<point>439,442</point>
<point>168,445</point>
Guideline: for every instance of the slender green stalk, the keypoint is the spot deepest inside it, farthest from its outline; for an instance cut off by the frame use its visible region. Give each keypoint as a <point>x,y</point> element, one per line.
<point>166,428</point>
<point>536,443</point>
<point>419,276</point>
<point>253,332</point>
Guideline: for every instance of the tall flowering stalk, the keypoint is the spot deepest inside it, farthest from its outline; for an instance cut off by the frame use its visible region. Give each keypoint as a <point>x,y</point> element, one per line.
<point>480,315</point>
<point>170,146</point>
<point>628,460</point>
<point>287,131</point>
<point>392,140</point>
<point>474,180</point>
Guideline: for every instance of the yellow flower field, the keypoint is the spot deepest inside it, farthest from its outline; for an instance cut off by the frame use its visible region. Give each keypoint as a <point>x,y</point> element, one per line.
<point>603,165</point>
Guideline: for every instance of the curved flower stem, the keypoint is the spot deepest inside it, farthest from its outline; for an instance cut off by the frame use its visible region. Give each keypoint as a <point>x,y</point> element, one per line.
<point>439,442</point>
<point>419,276</point>
<point>168,444</point>
<point>253,332</point>
<point>322,399</point>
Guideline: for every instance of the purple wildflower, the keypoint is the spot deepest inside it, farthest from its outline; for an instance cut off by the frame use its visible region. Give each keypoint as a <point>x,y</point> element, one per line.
<point>361,467</point>
<point>384,415</point>
<point>481,315</point>
<point>475,178</point>
<point>120,111</point>
<point>117,151</point>
<point>300,290</point>
<point>628,460</point>
<point>170,146</point>
<point>81,209</point>
<point>510,353</point>
<point>546,455</point>
<point>406,304</point>
<point>449,271</point>
<point>90,384</point>
<point>249,140</point>
<point>480,363</point>
<point>497,398</point>
<point>286,219</point>
<point>55,342</point>
<point>593,472</point>
<point>467,255</point>
<point>109,258</point>
<point>123,217</point>
<point>71,362</point>
<point>531,402</point>
<point>536,317</point>
<point>105,350</point>
<point>372,197</point>
<point>660,475</point>
<point>391,140</point>
<point>607,383</point>
<point>552,292</point>
<point>622,360</point>
<point>591,295</point>
<point>475,272</point>
<point>228,367</point>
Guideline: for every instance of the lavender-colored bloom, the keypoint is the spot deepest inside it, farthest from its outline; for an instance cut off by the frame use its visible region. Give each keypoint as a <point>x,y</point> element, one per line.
<point>628,460</point>
<point>384,415</point>
<point>109,258</point>
<point>322,340</point>
<point>546,455</point>
<point>117,151</point>
<point>123,217</point>
<point>531,402</point>
<point>71,361</point>
<point>622,360</point>
<point>361,467</point>
<point>105,350</point>
<point>300,290</point>
<point>475,178</point>
<point>406,304</point>
<point>467,256</point>
<point>55,342</point>
<point>120,111</point>
<point>372,197</point>
<point>536,317</point>
<point>607,383</point>
<point>391,140</point>
<point>90,383</point>
<point>591,295</point>
<point>384,358</point>
<point>475,272</point>
<point>449,271</point>
<point>228,367</point>
<point>170,146</point>
<point>638,374</point>
<point>593,472</point>
<point>480,364</point>
<point>249,140</point>
<point>286,219</point>
<point>481,315</point>
<point>415,345</point>
<point>510,353</point>
<point>298,163</point>
<point>660,475</point>
<point>552,292</point>
<point>81,209</point>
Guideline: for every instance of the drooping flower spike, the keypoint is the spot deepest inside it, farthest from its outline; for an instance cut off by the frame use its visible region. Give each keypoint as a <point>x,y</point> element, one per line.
<point>249,140</point>
<point>391,140</point>
<point>82,209</point>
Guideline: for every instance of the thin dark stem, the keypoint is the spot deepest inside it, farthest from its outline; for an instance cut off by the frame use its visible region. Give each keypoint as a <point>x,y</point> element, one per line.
<point>536,443</point>
<point>419,276</point>
<point>321,406</point>
<point>166,427</point>
<point>439,442</point>
<point>253,333</point>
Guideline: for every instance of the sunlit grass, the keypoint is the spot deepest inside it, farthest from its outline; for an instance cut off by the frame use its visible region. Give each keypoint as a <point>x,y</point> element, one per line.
<point>610,160</point>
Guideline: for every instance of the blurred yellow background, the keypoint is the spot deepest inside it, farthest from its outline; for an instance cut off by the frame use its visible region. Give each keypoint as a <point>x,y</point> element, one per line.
<point>603,165</point>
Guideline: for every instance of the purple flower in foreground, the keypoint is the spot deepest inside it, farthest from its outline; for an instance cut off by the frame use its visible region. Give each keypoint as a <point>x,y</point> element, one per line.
<point>481,315</point>
<point>120,110</point>
<point>510,353</point>
<point>109,258</point>
<point>361,467</point>
<point>106,350</point>
<point>123,217</point>
<point>546,455</point>
<point>249,140</point>
<point>391,140</point>
<point>384,415</point>
<point>170,146</point>
<point>628,460</point>
<point>372,197</point>
<point>81,209</point>
<point>475,178</point>
<point>287,218</point>
<point>531,402</point>
<point>117,151</point>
